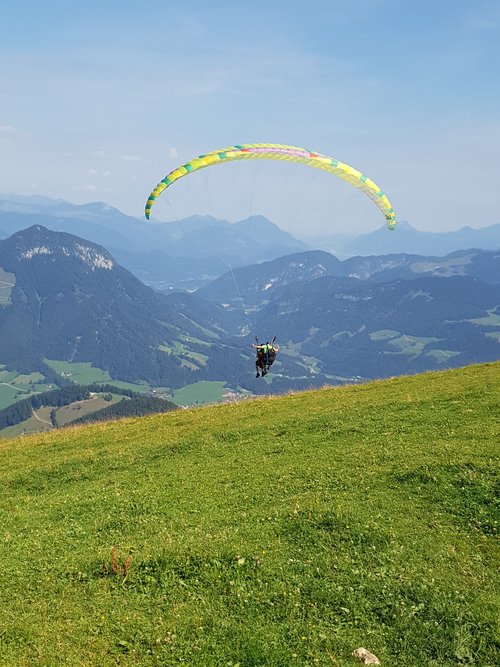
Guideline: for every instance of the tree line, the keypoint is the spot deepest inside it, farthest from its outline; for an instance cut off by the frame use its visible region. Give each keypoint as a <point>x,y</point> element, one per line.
<point>22,410</point>
<point>138,406</point>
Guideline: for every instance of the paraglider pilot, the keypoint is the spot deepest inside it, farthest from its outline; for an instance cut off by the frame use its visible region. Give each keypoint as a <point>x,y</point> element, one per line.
<point>266,354</point>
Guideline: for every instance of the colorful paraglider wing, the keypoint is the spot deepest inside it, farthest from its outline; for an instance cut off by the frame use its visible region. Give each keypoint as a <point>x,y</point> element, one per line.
<point>280,152</point>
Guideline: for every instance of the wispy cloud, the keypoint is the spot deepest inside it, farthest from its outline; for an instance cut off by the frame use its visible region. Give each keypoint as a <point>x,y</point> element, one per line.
<point>96,172</point>
<point>130,158</point>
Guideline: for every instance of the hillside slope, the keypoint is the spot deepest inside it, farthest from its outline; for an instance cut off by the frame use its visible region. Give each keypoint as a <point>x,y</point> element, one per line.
<point>284,531</point>
<point>68,300</point>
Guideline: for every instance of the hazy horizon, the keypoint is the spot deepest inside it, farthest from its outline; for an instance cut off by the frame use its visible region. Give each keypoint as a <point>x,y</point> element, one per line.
<point>99,102</point>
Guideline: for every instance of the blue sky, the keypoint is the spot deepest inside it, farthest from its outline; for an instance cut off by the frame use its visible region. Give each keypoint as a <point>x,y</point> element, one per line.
<point>99,100</point>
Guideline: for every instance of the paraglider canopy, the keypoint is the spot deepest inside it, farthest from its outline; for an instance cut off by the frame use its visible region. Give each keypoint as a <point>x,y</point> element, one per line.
<point>280,152</point>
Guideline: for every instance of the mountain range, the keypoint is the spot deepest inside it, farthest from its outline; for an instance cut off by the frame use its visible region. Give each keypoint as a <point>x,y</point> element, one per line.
<point>372,316</point>
<point>190,253</point>
<point>407,239</point>
<point>183,254</point>
<point>256,285</point>
<point>66,300</point>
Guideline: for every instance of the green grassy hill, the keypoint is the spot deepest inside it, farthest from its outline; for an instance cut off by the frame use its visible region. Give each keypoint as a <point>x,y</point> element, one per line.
<point>285,531</point>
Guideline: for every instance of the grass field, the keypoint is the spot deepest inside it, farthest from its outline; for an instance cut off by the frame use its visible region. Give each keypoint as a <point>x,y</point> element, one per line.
<point>8,394</point>
<point>180,349</point>
<point>275,532</point>
<point>85,373</point>
<point>7,282</point>
<point>412,345</point>
<point>199,393</point>
<point>68,413</point>
<point>13,384</point>
<point>441,356</point>
<point>193,339</point>
<point>491,320</point>
<point>384,334</point>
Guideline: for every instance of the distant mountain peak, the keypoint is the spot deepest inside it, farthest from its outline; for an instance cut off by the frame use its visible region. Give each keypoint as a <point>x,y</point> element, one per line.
<point>40,241</point>
<point>403,224</point>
